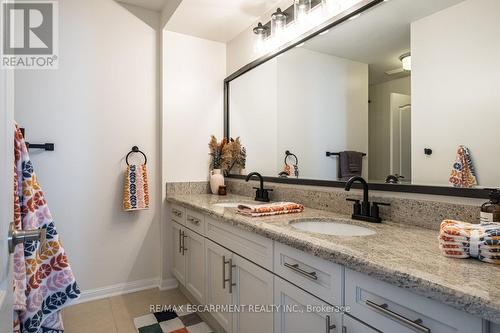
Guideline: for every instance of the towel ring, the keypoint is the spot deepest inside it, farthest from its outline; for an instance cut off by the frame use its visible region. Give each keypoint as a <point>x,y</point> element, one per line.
<point>135,149</point>
<point>289,154</point>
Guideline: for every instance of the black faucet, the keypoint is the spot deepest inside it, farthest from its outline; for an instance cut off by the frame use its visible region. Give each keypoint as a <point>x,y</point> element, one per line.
<point>262,194</point>
<point>364,211</point>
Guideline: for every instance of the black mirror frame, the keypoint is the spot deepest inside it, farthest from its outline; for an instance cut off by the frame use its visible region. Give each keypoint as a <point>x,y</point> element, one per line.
<point>406,188</point>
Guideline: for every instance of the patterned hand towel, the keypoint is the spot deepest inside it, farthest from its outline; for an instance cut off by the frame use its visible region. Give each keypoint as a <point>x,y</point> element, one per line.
<point>465,240</point>
<point>136,190</point>
<point>43,280</point>
<point>463,173</point>
<point>277,208</point>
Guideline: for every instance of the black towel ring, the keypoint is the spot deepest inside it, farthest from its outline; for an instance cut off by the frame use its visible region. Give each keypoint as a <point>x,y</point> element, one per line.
<point>289,154</point>
<point>135,149</point>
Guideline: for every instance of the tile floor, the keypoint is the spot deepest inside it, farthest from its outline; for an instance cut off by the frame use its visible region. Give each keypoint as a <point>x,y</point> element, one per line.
<point>116,314</point>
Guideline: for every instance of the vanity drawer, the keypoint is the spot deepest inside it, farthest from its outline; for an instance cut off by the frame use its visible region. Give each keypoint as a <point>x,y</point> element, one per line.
<point>195,221</point>
<point>178,214</point>
<point>319,277</point>
<point>391,309</point>
<point>253,247</point>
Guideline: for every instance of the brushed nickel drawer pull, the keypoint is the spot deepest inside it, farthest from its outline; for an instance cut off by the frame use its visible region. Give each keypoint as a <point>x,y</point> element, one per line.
<point>193,220</point>
<point>223,272</point>
<point>416,325</point>
<point>176,212</point>
<point>296,268</point>
<point>329,325</point>
<point>184,248</point>
<point>180,241</point>
<point>230,278</point>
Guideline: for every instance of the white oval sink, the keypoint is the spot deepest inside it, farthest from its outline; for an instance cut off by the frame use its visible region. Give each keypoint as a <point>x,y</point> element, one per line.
<point>332,228</point>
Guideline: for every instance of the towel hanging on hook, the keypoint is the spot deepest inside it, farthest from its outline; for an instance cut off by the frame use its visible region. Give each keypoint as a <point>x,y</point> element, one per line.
<point>136,187</point>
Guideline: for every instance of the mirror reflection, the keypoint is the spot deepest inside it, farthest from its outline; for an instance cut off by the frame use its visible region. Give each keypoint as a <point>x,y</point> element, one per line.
<point>399,94</point>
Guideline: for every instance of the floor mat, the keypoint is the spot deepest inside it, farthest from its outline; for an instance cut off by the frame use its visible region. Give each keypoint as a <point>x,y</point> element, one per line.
<point>172,322</point>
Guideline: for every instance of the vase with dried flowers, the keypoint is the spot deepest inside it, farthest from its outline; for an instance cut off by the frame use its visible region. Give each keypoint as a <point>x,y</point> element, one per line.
<point>220,160</point>
<point>239,156</point>
<point>225,156</point>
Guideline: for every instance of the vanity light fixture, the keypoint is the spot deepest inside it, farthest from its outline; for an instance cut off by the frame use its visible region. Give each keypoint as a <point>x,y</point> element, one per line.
<point>301,10</point>
<point>261,31</point>
<point>278,23</point>
<point>406,60</point>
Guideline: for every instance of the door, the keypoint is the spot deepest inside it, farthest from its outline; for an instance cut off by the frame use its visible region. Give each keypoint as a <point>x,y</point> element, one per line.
<point>179,262</point>
<point>301,312</point>
<point>6,195</point>
<point>218,291</point>
<point>405,141</point>
<point>253,286</point>
<point>400,134</point>
<point>194,249</point>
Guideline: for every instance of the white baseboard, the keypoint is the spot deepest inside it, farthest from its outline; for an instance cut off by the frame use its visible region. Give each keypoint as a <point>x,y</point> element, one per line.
<point>118,289</point>
<point>168,284</point>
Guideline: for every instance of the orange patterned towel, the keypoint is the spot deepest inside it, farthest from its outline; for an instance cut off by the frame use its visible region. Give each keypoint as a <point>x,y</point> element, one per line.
<point>277,208</point>
<point>464,240</point>
<point>136,192</point>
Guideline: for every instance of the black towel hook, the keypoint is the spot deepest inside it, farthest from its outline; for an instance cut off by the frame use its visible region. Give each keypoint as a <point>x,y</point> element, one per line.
<point>135,149</point>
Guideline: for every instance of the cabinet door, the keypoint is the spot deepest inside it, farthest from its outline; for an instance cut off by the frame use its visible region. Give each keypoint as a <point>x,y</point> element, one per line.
<point>194,251</point>
<point>179,262</point>
<point>351,325</point>
<point>301,312</point>
<point>217,288</point>
<point>253,285</point>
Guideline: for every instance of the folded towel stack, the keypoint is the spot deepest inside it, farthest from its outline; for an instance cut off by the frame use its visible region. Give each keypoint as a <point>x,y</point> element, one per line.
<point>277,208</point>
<point>465,240</point>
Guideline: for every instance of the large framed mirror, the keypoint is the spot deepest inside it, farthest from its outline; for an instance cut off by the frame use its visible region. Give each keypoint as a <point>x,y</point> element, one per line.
<point>401,92</point>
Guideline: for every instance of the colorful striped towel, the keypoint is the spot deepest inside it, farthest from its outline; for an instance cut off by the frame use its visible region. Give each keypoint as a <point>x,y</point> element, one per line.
<point>136,189</point>
<point>465,240</point>
<point>277,208</point>
<point>43,280</point>
<point>463,173</point>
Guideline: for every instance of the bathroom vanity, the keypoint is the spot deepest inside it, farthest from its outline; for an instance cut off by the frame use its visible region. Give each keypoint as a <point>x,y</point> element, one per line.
<point>394,280</point>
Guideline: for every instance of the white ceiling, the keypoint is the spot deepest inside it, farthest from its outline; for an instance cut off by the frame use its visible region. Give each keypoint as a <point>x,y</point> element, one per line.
<point>379,36</point>
<point>218,20</point>
<point>156,5</point>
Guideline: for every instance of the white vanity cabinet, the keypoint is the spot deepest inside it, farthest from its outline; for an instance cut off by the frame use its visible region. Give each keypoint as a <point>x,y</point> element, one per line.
<point>194,251</point>
<point>189,260</point>
<point>217,260</point>
<point>253,285</point>
<point>351,325</point>
<point>220,264</point>
<point>179,260</point>
<point>392,309</point>
<point>300,312</point>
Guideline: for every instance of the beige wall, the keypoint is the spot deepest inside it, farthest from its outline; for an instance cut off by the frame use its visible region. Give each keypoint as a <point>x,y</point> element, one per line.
<point>455,90</point>
<point>101,101</point>
<point>380,125</point>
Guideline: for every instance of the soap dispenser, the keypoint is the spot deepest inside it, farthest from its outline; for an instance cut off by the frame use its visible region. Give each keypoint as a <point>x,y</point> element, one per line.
<point>490,211</point>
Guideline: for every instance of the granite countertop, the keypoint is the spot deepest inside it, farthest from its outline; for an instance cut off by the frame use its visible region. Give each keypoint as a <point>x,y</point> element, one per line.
<point>402,255</point>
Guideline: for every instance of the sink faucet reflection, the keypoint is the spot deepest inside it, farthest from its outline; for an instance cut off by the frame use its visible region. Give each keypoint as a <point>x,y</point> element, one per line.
<point>364,211</point>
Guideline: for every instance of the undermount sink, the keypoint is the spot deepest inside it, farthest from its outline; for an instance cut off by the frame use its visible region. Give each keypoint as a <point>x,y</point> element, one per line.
<point>331,227</point>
